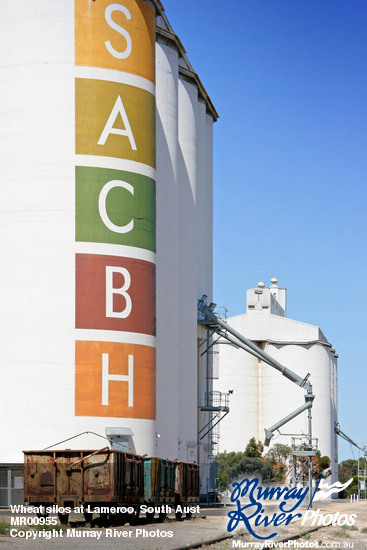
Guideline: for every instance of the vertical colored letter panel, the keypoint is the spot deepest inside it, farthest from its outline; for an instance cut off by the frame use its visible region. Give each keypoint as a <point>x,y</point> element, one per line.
<point>116,34</point>
<point>114,120</point>
<point>115,207</point>
<point>115,380</point>
<point>114,293</point>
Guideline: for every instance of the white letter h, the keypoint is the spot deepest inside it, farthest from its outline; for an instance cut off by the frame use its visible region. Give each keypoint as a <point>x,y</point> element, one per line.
<point>106,377</point>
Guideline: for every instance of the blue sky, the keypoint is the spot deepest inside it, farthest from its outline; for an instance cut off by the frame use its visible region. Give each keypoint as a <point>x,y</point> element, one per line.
<point>289,80</point>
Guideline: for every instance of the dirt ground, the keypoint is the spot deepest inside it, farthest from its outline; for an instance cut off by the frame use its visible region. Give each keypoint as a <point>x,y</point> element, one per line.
<point>171,534</point>
<point>352,537</point>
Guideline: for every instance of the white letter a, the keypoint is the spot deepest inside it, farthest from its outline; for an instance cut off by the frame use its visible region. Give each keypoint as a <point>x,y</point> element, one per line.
<point>118,108</point>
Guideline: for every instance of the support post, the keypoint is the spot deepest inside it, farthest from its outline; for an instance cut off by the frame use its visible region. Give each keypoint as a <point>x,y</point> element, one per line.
<point>309,418</point>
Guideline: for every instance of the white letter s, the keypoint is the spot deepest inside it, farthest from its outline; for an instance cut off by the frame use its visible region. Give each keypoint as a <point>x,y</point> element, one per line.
<point>108,12</point>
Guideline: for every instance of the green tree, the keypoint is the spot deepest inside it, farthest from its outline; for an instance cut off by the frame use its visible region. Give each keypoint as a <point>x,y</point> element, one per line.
<point>352,489</point>
<point>347,469</point>
<point>321,466</point>
<point>253,449</point>
<point>248,462</point>
<point>252,467</point>
<point>279,457</point>
<point>225,462</point>
<point>279,453</point>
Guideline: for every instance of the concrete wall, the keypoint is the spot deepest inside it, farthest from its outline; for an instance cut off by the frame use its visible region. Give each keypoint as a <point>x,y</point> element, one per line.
<point>59,86</point>
<point>262,396</point>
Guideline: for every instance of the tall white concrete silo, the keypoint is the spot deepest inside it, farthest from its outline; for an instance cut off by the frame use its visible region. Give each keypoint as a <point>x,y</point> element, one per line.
<point>261,395</point>
<point>106,167</point>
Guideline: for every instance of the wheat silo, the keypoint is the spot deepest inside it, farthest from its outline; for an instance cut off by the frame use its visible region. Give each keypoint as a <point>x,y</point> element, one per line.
<point>261,395</point>
<point>106,167</point>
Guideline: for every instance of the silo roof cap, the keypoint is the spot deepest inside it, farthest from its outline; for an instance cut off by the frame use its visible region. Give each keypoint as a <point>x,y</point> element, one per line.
<point>185,68</point>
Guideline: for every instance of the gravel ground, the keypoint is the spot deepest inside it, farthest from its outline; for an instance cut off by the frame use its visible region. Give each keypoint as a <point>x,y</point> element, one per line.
<point>133,538</point>
<point>202,528</point>
<point>354,537</point>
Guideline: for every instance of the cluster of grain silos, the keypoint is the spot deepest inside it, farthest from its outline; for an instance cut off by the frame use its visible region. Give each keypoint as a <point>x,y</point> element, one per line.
<point>185,118</point>
<point>106,167</point>
<point>106,163</point>
<point>261,395</point>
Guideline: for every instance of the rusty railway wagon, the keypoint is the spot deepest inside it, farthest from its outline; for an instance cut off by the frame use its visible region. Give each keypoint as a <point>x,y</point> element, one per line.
<point>187,483</point>
<point>116,482</point>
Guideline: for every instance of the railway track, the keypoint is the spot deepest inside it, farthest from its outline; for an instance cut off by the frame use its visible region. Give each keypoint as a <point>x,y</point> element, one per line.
<point>218,540</point>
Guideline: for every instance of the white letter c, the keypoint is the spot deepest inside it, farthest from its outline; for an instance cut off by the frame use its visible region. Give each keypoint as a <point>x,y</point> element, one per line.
<point>102,206</point>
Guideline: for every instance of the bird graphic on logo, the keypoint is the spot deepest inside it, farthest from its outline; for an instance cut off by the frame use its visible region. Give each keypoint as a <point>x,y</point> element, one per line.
<point>323,490</point>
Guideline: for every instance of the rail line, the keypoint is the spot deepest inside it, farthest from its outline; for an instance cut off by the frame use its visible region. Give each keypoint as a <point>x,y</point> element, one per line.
<point>228,537</point>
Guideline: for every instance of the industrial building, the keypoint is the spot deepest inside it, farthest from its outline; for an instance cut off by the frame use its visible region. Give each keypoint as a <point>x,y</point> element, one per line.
<point>106,162</point>
<point>261,396</point>
<point>107,212</point>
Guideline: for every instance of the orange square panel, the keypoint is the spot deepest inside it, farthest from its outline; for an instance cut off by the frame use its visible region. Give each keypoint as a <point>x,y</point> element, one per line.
<point>115,380</point>
<point>117,35</point>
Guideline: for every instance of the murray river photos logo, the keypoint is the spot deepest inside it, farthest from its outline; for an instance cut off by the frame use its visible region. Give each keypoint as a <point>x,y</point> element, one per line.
<point>251,512</point>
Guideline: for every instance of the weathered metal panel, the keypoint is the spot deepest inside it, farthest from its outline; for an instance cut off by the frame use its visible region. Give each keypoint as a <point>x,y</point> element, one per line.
<point>148,479</point>
<point>69,478</point>
<point>179,484</point>
<point>54,477</point>
<point>99,481</point>
<point>167,479</point>
<point>187,482</point>
<point>159,480</point>
<point>133,488</point>
<point>39,477</point>
<point>193,484</point>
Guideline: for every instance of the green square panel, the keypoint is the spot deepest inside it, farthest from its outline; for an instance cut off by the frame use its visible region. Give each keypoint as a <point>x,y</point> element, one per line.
<point>114,206</point>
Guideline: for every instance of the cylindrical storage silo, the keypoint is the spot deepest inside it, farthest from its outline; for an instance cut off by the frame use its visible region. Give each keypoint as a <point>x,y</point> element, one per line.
<point>187,314</point>
<point>204,203</point>
<point>184,241</point>
<point>322,414</point>
<point>281,397</point>
<point>300,347</point>
<point>37,166</point>
<point>206,232</point>
<point>115,215</point>
<point>168,335</point>
<point>106,165</point>
<point>78,169</point>
<point>241,374</point>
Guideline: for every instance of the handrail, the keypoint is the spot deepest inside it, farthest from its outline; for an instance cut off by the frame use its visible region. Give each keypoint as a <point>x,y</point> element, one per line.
<point>105,449</point>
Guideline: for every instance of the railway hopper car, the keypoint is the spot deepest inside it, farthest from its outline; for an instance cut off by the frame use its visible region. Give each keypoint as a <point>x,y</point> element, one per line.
<point>159,484</point>
<point>112,483</point>
<point>187,483</point>
<point>90,478</point>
